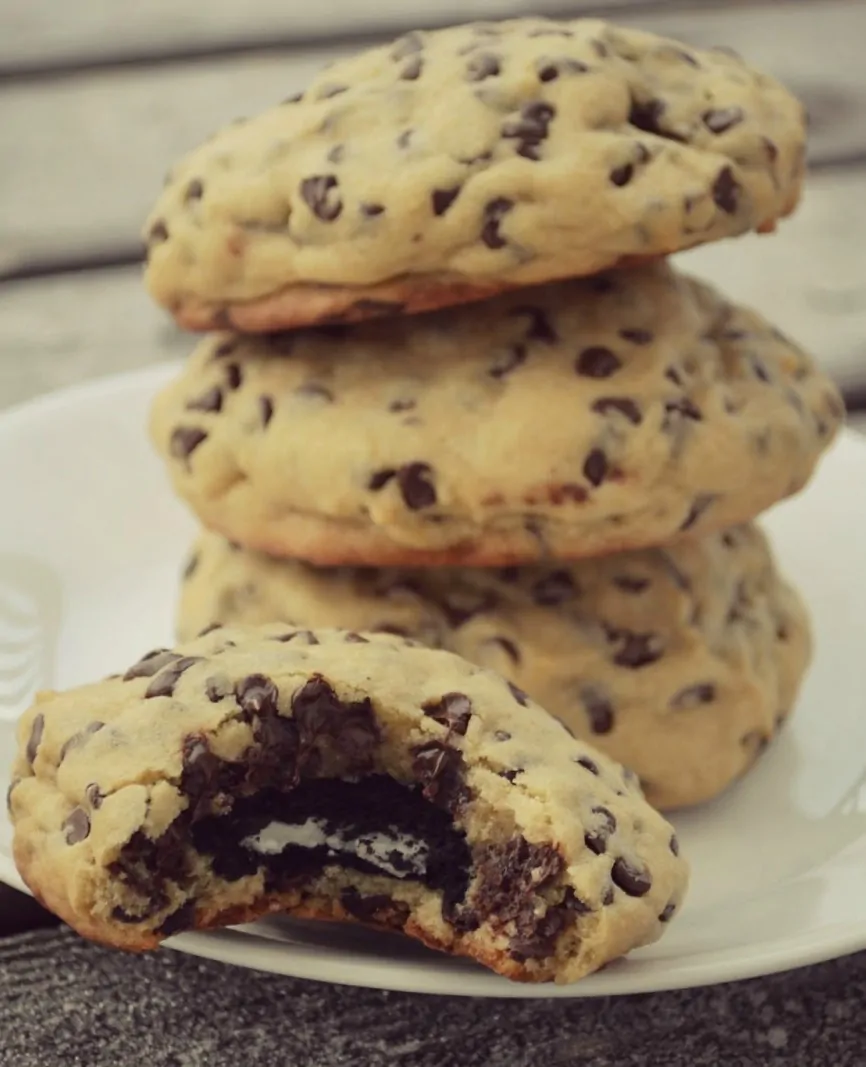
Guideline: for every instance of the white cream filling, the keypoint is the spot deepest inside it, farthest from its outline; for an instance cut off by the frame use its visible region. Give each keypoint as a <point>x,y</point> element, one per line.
<point>379,849</point>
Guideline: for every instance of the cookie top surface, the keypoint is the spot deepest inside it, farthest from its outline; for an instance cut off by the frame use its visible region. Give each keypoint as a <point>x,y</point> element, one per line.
<point>496,155</point>
<point>573,419</point>
<point>126,756</point>
<point>680,662</point>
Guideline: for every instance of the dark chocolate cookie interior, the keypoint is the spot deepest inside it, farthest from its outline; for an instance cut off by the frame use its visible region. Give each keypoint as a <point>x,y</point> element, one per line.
<point>374,825</point>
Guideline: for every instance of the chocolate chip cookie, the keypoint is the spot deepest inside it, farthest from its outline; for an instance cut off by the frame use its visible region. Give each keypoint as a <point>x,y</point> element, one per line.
<point>451,165</point>
<point>344,776</point>
<point>681,663</point>
<point>572,420</point>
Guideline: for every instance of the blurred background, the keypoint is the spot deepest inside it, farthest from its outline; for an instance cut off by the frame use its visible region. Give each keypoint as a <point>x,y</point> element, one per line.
<point>97,98</point>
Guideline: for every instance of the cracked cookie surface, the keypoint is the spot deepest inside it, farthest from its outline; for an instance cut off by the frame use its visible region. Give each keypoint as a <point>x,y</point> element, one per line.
<point>450,165</point>
<point>571,420</point>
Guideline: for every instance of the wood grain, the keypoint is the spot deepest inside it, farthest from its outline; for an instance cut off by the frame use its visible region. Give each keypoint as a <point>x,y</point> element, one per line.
<point>42,32</point>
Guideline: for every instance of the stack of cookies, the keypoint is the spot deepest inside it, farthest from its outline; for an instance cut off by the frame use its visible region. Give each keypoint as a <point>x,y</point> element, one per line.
<point>455,394</point>
<point>458,393</point>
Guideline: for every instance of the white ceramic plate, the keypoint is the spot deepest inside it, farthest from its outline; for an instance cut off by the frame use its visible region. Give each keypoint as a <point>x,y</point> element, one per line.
<point>91,542</point>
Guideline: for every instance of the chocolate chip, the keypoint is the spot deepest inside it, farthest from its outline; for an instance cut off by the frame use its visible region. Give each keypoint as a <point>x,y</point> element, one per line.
<point>684,407</point>
<point>595,467</point>
<point>587,764</point>
<point>482,65</point>
<point>508,647</point>
<point>693,695</point>
<point>508,362</point>
<point>194,191</point>
<point>440,769</point>
<point>315,707</point>
<point>637,336</point>
<point>454,710</point>
<point>93,796</point>
<point>599,711</point>
<point>36,732</point>
<point>494,212</point>
<point>407,45</point>
<point>76,826</point>
<point>726,191</point>
<point>185,440</point>
<point>402,404</point>
<point>316,194</point>
<point>596,840</point>
<point>234,377</point>
<point>531,129</point>
<point>502,735</point>
<point>608,897</point>
<point>226,348</point>
<point>257,695</point>
<point>629,583</point>
<point>540,327</point>
<point>647,114</point>
<point>518,694</point>
<point>404,138</point>
<point>370,211</point>
<point>178,921</point>
<point>460,608</point>
<point>554,589</point>
<point>597,362</point>
<point>443,199</point>
<point>620,176</point>
<point>412,70</point>
<point>158,232</point>
<point>511,775</point>
<point>760,371</point>
<point>674,845</point>
<point>164,683</point>
<point>638,650</point>
<point>635,881</point>
<point>266,410</point>
<point>416,486</point>
<point>150,664</point>
<point>668,913</point>
<point>622,404</point>
<point>719,120</point>
<point>551,69</point>
<point>212,400</point>
<point>216,689</point>
<point>200,770</point>
<point>78,739</point>
<point>700,505</point>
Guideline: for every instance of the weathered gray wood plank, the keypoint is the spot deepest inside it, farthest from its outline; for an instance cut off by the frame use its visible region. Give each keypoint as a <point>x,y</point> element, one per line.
<point>83,157</point>
<point>808,279</point>
<point>38,32</point>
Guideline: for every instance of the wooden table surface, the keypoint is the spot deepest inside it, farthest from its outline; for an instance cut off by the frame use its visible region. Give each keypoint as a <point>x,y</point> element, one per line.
<point>97,98</point>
